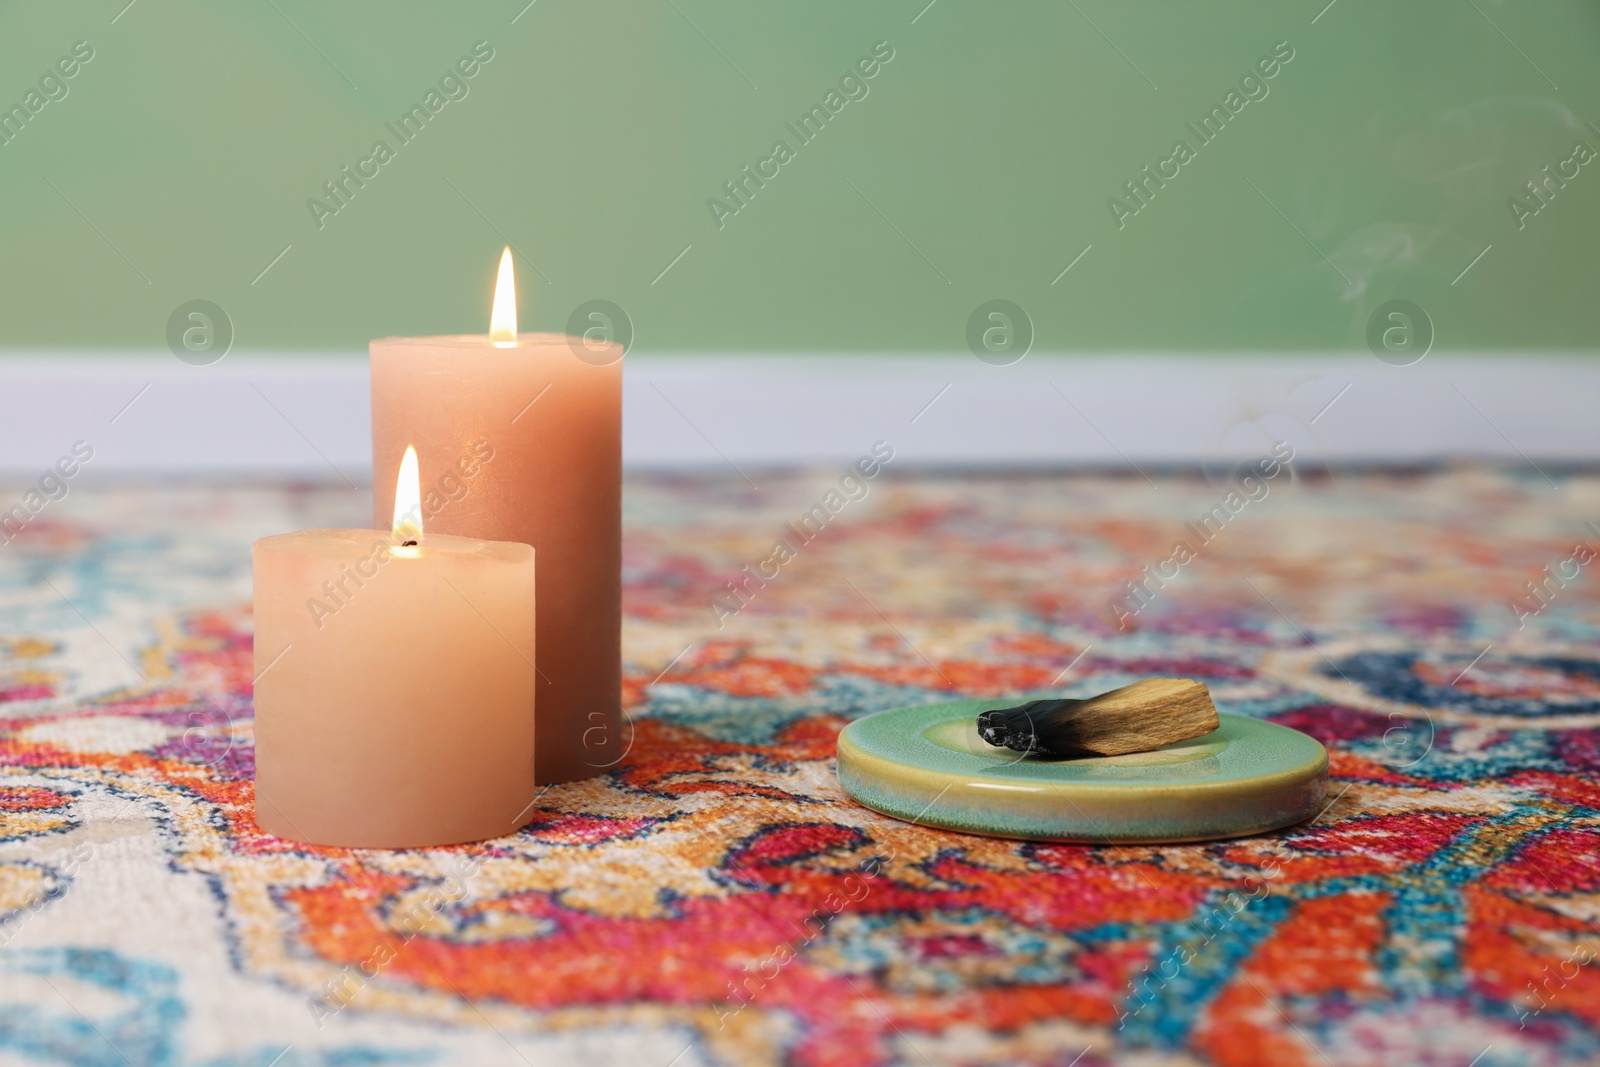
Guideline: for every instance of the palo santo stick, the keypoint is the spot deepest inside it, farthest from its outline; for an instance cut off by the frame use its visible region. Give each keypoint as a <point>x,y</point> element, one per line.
<point>1135,718</point>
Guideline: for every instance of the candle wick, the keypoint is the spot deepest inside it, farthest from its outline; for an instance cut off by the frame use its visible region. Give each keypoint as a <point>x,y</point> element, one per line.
<point>409,543</point>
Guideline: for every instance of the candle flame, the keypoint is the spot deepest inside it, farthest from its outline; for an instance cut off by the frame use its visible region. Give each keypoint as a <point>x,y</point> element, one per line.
<point>408,500</point>
<point>503,316</point>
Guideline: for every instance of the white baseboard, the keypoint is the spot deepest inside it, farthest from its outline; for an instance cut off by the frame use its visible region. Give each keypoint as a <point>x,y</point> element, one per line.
<point>307,414</point>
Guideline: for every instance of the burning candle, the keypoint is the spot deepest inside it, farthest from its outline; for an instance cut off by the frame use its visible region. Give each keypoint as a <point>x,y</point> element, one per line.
<point>394,695</point>
<point>547,410</point>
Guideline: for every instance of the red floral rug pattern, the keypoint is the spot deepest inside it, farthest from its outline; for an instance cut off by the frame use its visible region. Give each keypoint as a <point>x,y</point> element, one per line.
<point>716,899</point>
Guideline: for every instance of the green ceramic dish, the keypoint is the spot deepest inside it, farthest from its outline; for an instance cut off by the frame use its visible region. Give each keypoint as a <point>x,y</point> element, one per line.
<point>928,765</point>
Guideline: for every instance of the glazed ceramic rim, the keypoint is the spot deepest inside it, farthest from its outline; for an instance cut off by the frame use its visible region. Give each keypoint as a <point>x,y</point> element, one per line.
<point>951,790</point>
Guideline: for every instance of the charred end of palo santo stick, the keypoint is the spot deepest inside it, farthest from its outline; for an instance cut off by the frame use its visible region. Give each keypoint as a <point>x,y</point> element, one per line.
<point>1135,718</point>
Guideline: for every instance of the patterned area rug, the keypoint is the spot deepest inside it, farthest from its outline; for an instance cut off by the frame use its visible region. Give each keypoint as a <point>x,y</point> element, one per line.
<point>716,899</point>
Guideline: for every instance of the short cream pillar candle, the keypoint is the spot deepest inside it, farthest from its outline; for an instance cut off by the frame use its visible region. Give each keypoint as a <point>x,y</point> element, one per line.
<point>394,703</point>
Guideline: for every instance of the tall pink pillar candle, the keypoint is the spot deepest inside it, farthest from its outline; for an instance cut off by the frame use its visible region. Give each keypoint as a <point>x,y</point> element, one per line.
<point>394,701</point>
<point>529,435</point>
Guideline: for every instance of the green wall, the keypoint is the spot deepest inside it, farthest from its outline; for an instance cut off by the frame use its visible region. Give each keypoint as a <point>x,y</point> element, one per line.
<point>979,163</point>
